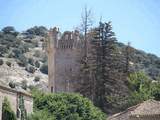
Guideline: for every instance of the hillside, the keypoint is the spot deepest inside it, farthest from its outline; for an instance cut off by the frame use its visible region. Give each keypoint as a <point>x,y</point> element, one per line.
<point>142,61</point>
<point>23,59</point>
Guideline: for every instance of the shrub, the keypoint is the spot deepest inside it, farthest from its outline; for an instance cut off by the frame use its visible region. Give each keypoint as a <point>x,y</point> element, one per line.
<point>37,30</point>
<point>37,64</point>
<point>37,53</point>
<point>156,91</point>
<point>40,115</point>
<point>30,69</point>
<point>31,61</point>
<point>10,55</point>
<point>17,52</point>
<point>8,29</point>
<point>24,84</point>
<point>142,88</point>
<point>12,84</point>
<point>44,68</point>
<point>22,60</point>
<point>7,113</point>
<point>35,43</point>
<point>67,106</point>
<point>3,50</point>
<point>37,78</point>
<point>1,62</point>
<point>8,63</point>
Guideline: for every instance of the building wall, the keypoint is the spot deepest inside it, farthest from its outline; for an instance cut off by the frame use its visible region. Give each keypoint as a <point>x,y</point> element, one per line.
<point>12,96</point>
<point>28,103</point>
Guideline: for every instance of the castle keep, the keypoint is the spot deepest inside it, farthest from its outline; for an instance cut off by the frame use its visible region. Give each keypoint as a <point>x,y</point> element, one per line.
<point>64,52</point>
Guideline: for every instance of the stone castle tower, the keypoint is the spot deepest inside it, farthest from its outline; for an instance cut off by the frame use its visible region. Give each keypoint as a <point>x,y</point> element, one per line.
<point>64,52</point>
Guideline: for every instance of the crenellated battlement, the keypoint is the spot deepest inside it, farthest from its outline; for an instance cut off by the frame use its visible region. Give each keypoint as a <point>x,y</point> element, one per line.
<point>66,40</point>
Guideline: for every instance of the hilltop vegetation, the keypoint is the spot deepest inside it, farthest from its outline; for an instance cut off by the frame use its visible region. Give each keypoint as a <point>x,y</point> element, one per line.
<point>22,54</point>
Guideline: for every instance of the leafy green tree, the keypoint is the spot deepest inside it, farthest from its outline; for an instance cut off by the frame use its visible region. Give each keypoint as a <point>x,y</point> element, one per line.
<point>140,86</point>
<point>156,91</point>
<point>67,106</point>
<point>8,29</point>
<point>7,113</point>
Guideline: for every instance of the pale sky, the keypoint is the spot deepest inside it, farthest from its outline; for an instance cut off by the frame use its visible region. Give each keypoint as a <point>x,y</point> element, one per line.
<point>137,21</point>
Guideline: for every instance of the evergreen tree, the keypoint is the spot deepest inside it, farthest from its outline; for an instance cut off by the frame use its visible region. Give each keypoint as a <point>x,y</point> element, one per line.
<point>23,111</point>
<point>104,71</point>
<point>104,56</point>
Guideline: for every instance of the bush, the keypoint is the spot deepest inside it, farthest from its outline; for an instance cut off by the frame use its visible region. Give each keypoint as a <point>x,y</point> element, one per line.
<point>8,63</point>
<point>3,50</point>
<point>37,78</point>
<point>22,60</point>
<point>37,64</point>
<point>31,61</point>
<point>1,62</point>
<point>17,52</point>
<point>7,113</point>
<point>12,84</point>
<point>37,53</point>
<point>30,69</point>
<point>141,88</point>
<point>35,43</point>
<point>10,55</point>
<point>8,29</point>
<point>37,30</point>
<point>156,91</point>
<point>41,115</point>
<point>44,68</point>
<point>67,106</point>
<point>24,84</point>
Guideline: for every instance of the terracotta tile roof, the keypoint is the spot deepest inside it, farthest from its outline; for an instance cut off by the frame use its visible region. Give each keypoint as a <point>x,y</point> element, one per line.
<point>149,108</point>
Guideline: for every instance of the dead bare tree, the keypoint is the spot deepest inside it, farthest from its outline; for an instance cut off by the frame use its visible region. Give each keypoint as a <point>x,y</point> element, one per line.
<point>86,23</point>
<point>85,75</point>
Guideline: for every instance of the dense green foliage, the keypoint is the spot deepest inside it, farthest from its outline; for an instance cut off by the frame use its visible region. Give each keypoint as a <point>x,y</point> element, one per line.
<point>65,106</point>
<point>7,113</point>
<point>41,115</point>
<point>142,88</point>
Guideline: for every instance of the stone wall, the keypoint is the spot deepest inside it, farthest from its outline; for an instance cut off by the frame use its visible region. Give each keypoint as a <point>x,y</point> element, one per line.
<point>64,53</point>
<point>13,97</point>
<point>66,68</point>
